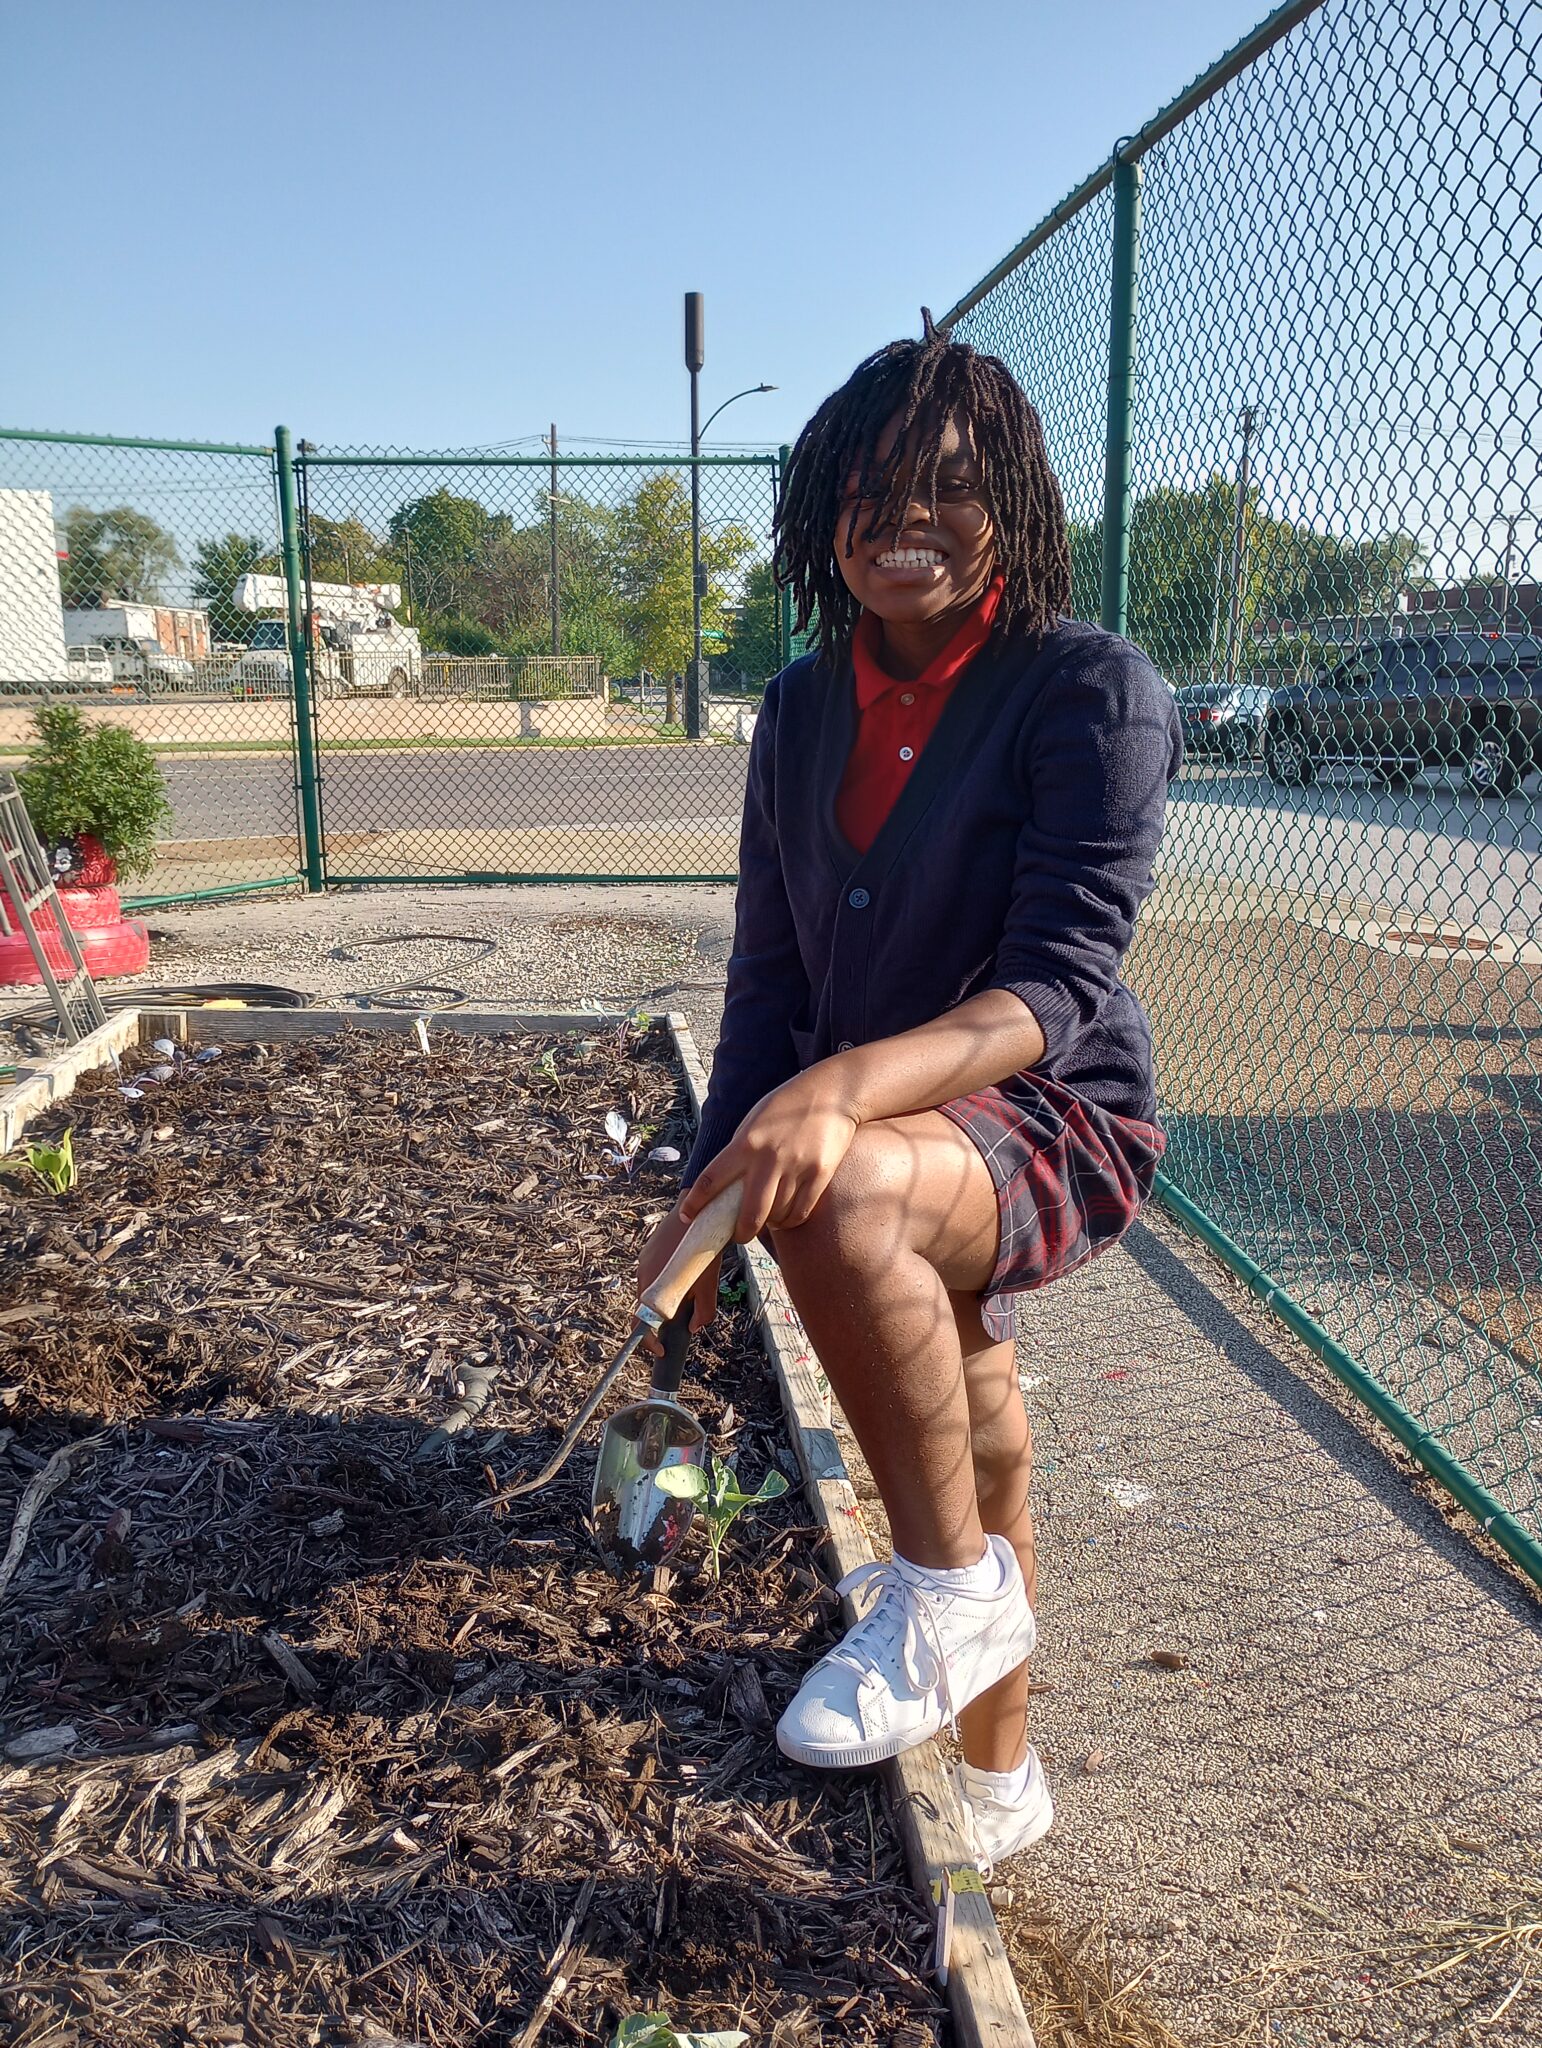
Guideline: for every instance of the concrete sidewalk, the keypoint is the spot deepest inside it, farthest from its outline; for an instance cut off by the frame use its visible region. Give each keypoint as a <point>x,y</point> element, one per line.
<point>1270,1836</point>
<point>1350,1755</point>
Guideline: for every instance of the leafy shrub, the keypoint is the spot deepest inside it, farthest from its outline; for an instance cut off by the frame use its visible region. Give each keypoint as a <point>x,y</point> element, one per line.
<point>461,636</point>
<point>98,781</point>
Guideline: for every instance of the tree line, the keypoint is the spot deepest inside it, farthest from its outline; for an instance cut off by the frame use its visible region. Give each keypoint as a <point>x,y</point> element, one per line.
<point>476,581</point>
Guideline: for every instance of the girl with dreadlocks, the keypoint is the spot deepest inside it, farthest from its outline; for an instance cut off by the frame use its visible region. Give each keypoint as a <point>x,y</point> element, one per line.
<point>931,1081</point>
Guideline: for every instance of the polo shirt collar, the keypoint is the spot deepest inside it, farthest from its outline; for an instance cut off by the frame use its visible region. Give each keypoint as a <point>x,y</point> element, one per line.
<point>873,682</point>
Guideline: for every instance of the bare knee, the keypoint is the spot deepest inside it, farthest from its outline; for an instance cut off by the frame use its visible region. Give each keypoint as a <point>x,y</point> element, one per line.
<point>861,1216</point>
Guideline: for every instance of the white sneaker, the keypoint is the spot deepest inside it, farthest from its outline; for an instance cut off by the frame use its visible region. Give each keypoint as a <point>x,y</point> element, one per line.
<point>919,1655</point>
<point>997,1827</point>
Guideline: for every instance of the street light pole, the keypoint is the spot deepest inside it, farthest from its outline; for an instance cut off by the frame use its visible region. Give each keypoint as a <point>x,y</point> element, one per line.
<point>695,359</point>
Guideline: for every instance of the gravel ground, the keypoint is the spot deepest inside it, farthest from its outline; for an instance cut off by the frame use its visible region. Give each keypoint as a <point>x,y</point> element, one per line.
<point>1337,1793</point>
<point>549,946</point>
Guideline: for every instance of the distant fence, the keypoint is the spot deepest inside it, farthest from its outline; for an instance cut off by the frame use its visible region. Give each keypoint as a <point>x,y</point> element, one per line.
<point>534,677</point>
<point>453,719</point>
<point>1285,344</point>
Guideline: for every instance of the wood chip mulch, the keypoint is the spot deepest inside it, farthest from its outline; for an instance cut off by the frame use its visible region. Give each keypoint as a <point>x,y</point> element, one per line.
<point>298,1742</point>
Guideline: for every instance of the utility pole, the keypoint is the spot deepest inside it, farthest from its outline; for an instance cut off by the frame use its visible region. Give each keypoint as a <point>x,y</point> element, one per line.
<point>1234,625</point>
<point>1511,520</point>
<point>556,600</point>
<point>1213,652</point>
<point>695,359</point>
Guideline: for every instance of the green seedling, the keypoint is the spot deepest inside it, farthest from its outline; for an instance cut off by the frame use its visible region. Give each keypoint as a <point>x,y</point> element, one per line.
<point>718,1498</point>
<point>655,2030</point>
<point>54,1165</point>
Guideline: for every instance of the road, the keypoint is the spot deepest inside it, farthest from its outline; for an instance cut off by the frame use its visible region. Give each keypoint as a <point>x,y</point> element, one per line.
<point>1433,851</point>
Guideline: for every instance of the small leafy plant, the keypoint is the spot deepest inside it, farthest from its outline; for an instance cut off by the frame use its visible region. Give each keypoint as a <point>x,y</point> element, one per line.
<point>656,2030</point>
<point>718,1498</point>
<point>54,1165</point>
<point>96,781</point>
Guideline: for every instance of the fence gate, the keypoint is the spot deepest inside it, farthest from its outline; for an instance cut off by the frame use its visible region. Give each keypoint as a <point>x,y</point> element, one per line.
<point>511,699</point>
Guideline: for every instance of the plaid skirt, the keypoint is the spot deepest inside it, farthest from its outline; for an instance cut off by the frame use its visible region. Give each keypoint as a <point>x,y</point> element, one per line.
<point>1070,1180</point>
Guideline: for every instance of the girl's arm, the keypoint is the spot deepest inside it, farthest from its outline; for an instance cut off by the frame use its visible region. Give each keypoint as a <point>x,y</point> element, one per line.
<point>766,983</point>
<point>1101,756</point>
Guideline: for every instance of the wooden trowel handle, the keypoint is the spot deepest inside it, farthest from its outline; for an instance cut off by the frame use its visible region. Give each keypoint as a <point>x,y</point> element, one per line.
<point>705,1238</point>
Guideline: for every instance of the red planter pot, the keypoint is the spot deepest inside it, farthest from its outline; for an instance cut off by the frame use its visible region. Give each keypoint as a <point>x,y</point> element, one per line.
<point>110,943</point>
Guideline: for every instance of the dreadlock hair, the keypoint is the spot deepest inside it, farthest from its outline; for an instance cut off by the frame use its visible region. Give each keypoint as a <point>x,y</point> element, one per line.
<point>920,384</point>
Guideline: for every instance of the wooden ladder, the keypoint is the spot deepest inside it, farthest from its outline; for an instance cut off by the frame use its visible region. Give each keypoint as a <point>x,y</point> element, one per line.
<point>27,887</point>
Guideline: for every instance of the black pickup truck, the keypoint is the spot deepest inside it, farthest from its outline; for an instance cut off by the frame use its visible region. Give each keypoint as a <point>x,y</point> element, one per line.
<point>1427,704</point>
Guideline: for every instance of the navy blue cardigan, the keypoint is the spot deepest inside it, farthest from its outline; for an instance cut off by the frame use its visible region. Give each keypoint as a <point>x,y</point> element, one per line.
<point>1016,857</point>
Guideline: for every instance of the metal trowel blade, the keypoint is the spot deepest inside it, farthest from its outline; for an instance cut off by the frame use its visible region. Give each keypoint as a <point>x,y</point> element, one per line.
<point>635,1522</point>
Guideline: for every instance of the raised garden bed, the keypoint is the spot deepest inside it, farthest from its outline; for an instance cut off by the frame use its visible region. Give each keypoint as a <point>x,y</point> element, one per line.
<point>324,1751</point>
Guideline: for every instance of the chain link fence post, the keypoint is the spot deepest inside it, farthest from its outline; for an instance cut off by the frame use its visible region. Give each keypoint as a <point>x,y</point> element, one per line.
<point>784,594</point>
<point>1114,605</point>
<point>313,848</point>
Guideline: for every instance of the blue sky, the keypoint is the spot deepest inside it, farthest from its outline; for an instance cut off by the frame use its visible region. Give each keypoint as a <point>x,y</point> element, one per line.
<point>392,223</point>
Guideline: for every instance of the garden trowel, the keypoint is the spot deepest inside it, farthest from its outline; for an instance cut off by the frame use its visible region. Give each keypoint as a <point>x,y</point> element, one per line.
<point>635,1522</point>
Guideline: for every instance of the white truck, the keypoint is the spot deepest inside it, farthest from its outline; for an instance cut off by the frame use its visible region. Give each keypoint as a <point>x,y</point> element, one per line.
<point>356,648</point>
<point>153,646</point>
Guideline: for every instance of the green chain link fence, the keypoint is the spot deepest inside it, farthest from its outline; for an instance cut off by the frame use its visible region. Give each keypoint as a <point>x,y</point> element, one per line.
<point>379,666</point>
<point>1314,504</point>
<point>118,560</point>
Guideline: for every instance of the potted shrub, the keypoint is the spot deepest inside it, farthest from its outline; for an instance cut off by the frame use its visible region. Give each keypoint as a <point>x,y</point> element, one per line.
<point>95,795</point>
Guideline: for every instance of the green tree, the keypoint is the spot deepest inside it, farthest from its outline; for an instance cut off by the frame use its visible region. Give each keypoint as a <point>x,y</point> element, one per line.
<point>438,543</point>
<point>118,556</point>
<point>754,644</point>
<point>218,565</point>
<point>1181,572</point>
<point>345,551</point>
<point>653,572</point>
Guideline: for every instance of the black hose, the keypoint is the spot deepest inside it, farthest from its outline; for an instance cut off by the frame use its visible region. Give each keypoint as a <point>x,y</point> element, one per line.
<point>478,939</point>
<point>177,996</point>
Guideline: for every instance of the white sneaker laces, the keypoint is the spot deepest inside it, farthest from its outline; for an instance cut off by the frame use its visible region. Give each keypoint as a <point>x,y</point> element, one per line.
<point>902,1615</point>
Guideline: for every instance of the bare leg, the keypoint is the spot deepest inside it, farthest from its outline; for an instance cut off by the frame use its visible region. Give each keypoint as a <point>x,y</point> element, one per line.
<point>910,1215</point>
<point>994,1727</point>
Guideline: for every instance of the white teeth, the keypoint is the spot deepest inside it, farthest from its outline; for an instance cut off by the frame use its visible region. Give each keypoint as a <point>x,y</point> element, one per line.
<point>909,558</point>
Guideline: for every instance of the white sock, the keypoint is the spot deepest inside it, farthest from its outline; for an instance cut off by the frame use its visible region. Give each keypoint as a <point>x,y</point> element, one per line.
<point>984,1577</point>
<point>1007,1788</point>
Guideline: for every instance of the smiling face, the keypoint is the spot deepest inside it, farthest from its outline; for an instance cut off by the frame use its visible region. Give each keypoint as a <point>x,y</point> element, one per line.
<point>932,565</point>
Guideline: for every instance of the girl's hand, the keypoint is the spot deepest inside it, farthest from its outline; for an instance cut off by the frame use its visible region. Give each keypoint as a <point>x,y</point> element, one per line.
<point>786,1152</point>
<point>655,1256</point>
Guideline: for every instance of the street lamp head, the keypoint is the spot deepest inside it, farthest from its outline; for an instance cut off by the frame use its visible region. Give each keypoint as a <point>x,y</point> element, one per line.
<point>766,387</point>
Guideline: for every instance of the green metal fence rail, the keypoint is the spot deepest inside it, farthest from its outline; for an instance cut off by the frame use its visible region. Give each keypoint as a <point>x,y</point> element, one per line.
<point>1286,345</point>
<point>359,665</point>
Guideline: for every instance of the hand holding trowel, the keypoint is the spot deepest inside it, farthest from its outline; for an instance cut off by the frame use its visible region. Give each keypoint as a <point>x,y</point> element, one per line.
<point>634,1520</point>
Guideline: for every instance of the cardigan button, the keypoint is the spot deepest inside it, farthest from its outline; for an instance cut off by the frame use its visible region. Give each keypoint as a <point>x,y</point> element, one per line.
<point>845,1046</point>
<point>859,899</point>
<point>907,753</point>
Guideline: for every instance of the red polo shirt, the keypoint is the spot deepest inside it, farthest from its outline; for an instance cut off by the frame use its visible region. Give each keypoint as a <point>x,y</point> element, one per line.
<point>895,719</point>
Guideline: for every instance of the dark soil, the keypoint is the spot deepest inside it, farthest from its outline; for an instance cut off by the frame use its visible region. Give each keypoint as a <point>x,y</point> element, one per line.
<point>339,1750</point>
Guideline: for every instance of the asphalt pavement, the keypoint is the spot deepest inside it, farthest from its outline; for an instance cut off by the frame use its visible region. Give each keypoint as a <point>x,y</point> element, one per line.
<point>1432,851</point>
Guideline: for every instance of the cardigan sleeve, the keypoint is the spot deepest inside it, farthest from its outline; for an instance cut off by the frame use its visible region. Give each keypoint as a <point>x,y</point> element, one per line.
<point>767,984</point>
<point>1098,757</point>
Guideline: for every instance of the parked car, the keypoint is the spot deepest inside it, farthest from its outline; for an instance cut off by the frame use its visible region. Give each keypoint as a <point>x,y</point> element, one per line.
<point>1218,718</point>
<point>1427,704</point>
